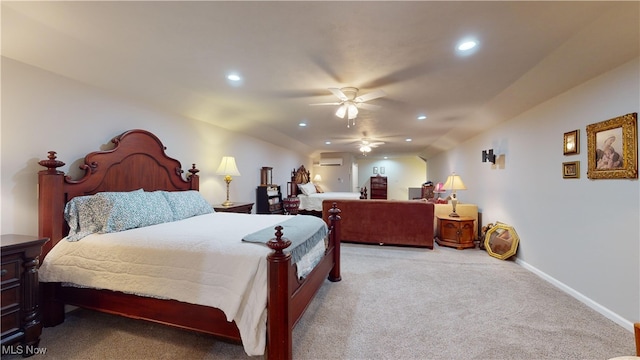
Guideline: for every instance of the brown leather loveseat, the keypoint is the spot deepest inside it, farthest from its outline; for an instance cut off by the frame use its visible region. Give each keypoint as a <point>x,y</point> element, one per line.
<point>385,222</point>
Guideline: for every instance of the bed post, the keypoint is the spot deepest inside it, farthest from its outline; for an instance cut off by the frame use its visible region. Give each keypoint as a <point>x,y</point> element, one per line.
<point>193,177</point>
<point>334,225</point>
<point>279,332</point>
<point>50,202</point>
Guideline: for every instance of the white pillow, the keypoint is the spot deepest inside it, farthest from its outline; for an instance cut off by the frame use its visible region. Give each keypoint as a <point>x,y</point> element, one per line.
<point>308,188</point>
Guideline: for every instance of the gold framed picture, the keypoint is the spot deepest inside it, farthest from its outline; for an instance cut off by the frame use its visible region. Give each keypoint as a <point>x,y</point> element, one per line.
<point>571,142</point>
<point>612,147</point>
<point>571,170</point>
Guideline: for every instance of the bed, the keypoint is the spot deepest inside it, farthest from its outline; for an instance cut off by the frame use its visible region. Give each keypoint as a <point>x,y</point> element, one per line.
<point>311,195</point>
<point>136,165</point>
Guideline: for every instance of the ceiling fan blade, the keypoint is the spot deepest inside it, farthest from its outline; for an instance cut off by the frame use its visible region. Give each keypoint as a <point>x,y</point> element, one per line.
<point>339,94</point>
<point>321,104</point>
<point>368,106</point>
<point>370,96</point>
<point>376,144</point>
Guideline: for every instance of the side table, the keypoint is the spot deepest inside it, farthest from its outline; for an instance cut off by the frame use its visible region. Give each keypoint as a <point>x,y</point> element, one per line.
<point>20,301</point>
<point>456,232</point>
<point>234,208</point>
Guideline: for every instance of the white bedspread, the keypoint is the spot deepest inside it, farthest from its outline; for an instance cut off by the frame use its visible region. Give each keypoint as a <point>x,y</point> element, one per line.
<point>314,201</point>
<point>210,266</point>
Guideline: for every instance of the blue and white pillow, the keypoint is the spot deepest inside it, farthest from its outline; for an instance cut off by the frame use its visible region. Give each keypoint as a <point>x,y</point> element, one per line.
<point>109,212</point>
<point>186,204</point>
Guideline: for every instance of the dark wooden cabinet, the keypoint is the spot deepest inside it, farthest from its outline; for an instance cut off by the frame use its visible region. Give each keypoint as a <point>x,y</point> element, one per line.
<point>269,200</point>
<point>244,208</point>
<point>379,187</point>
<point>455,232</point>
<point>20,310</point>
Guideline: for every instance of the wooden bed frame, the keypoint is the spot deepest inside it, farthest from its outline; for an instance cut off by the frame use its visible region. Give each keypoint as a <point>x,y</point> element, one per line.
<point>303,176</point>
<point>138,161</point>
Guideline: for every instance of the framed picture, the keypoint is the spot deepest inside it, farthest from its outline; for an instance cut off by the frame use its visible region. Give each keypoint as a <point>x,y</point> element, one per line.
<point>571,142</point>
<point>571,170</point>
<point>375,169</point>
<point>381,169</point>
<point>612,147</point>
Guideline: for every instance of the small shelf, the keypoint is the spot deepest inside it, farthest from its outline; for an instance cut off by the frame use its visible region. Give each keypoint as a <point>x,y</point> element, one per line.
<point>269,200</point>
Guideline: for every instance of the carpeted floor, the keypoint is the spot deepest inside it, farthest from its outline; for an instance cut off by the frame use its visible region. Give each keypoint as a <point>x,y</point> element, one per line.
<point>393,303</point>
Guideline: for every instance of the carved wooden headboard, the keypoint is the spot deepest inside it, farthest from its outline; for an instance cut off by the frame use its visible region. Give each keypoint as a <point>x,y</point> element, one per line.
<point>299,176</point>
<point>137,161</point>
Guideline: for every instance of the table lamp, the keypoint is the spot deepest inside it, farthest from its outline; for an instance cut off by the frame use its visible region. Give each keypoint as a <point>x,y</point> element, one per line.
<point>453,183</point>
<point>228,168</point>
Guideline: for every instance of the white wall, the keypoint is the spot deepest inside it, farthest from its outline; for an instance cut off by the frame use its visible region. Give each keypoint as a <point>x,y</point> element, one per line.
<point>42,111</point>
<point>581,234</point>
<point>401,172</point>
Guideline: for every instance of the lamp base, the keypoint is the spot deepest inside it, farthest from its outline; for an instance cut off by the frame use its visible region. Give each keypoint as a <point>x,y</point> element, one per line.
<point>227,203</point>
<point>454,214</point>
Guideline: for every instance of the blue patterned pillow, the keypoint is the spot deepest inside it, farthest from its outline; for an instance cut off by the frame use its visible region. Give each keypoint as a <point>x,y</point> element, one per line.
<point>108,212</point>
<point>186,204</point>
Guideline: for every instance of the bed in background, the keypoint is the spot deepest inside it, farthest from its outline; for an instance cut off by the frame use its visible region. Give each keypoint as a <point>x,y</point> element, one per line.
<point>138,161</point>
<point>311,195</point>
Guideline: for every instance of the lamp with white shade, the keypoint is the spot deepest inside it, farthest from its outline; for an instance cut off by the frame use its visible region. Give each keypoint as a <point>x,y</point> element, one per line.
<point>228,168</point>
<point>453,183</point>
<point>317,178</point>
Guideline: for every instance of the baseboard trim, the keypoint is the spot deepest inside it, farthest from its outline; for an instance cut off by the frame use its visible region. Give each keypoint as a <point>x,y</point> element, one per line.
<point>579,296</point>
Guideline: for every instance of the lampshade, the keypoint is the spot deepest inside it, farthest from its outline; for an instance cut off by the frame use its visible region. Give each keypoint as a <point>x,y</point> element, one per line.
<point>317,178</point>
<point>342,111</point>
<point>454,182</point>
<point>228,166</point>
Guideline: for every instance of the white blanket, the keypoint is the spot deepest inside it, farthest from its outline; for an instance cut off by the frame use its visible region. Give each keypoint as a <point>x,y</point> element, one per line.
<point>314,201</point>
<point>199,260</point>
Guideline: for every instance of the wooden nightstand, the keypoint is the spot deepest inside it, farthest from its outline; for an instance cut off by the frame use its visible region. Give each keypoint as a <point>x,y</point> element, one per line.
<point>455,232</point>
<point>235,208</point>
<point>20,309</point>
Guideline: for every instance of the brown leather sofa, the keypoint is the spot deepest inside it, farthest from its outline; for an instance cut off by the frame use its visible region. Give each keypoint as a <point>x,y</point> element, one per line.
<point>385,222</point>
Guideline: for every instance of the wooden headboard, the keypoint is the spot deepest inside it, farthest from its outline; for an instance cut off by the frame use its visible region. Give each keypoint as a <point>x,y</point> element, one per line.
<point>137,161</point>
<point>299,176</point>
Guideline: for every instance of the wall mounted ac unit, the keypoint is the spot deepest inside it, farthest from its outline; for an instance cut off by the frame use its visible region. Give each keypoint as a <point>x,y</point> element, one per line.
<point>331,162</point>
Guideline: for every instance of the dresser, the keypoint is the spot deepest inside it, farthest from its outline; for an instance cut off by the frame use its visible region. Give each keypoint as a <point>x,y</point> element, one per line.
<point>457,232</point>
<point>20,310</point>
<point>378,186</point>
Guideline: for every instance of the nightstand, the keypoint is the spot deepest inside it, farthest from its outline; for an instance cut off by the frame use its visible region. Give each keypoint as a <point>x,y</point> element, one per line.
<point>456,232</point>
<point>235,208</point>
<point>20,309</point>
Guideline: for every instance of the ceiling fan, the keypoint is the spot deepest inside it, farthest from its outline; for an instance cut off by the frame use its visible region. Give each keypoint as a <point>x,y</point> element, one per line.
<point>365,146</point>
<point>350,102</point>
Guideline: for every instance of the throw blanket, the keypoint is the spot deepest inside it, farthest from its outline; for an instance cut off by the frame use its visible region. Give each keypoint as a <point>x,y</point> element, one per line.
<point>303,231</point>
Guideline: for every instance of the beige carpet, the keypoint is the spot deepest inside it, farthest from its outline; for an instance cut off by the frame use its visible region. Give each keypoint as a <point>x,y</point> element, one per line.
<point>393,303</point>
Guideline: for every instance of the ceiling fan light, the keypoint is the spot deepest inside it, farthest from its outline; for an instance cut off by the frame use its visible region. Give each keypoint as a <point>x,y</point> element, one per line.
<point>342,111</point>
<point>365,148</point>
<point>352,111</point>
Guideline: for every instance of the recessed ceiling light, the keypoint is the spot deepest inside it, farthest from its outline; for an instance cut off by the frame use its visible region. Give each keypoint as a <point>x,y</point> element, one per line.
<point>422,117</point>
<point>234,77</point>
<point>467,45</point>
<point>302,124</point>
<point>408,139</point>
<point>327,142</point>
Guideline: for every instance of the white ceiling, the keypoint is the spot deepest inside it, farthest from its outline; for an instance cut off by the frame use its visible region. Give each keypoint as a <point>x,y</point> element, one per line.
<point>175,55</point>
